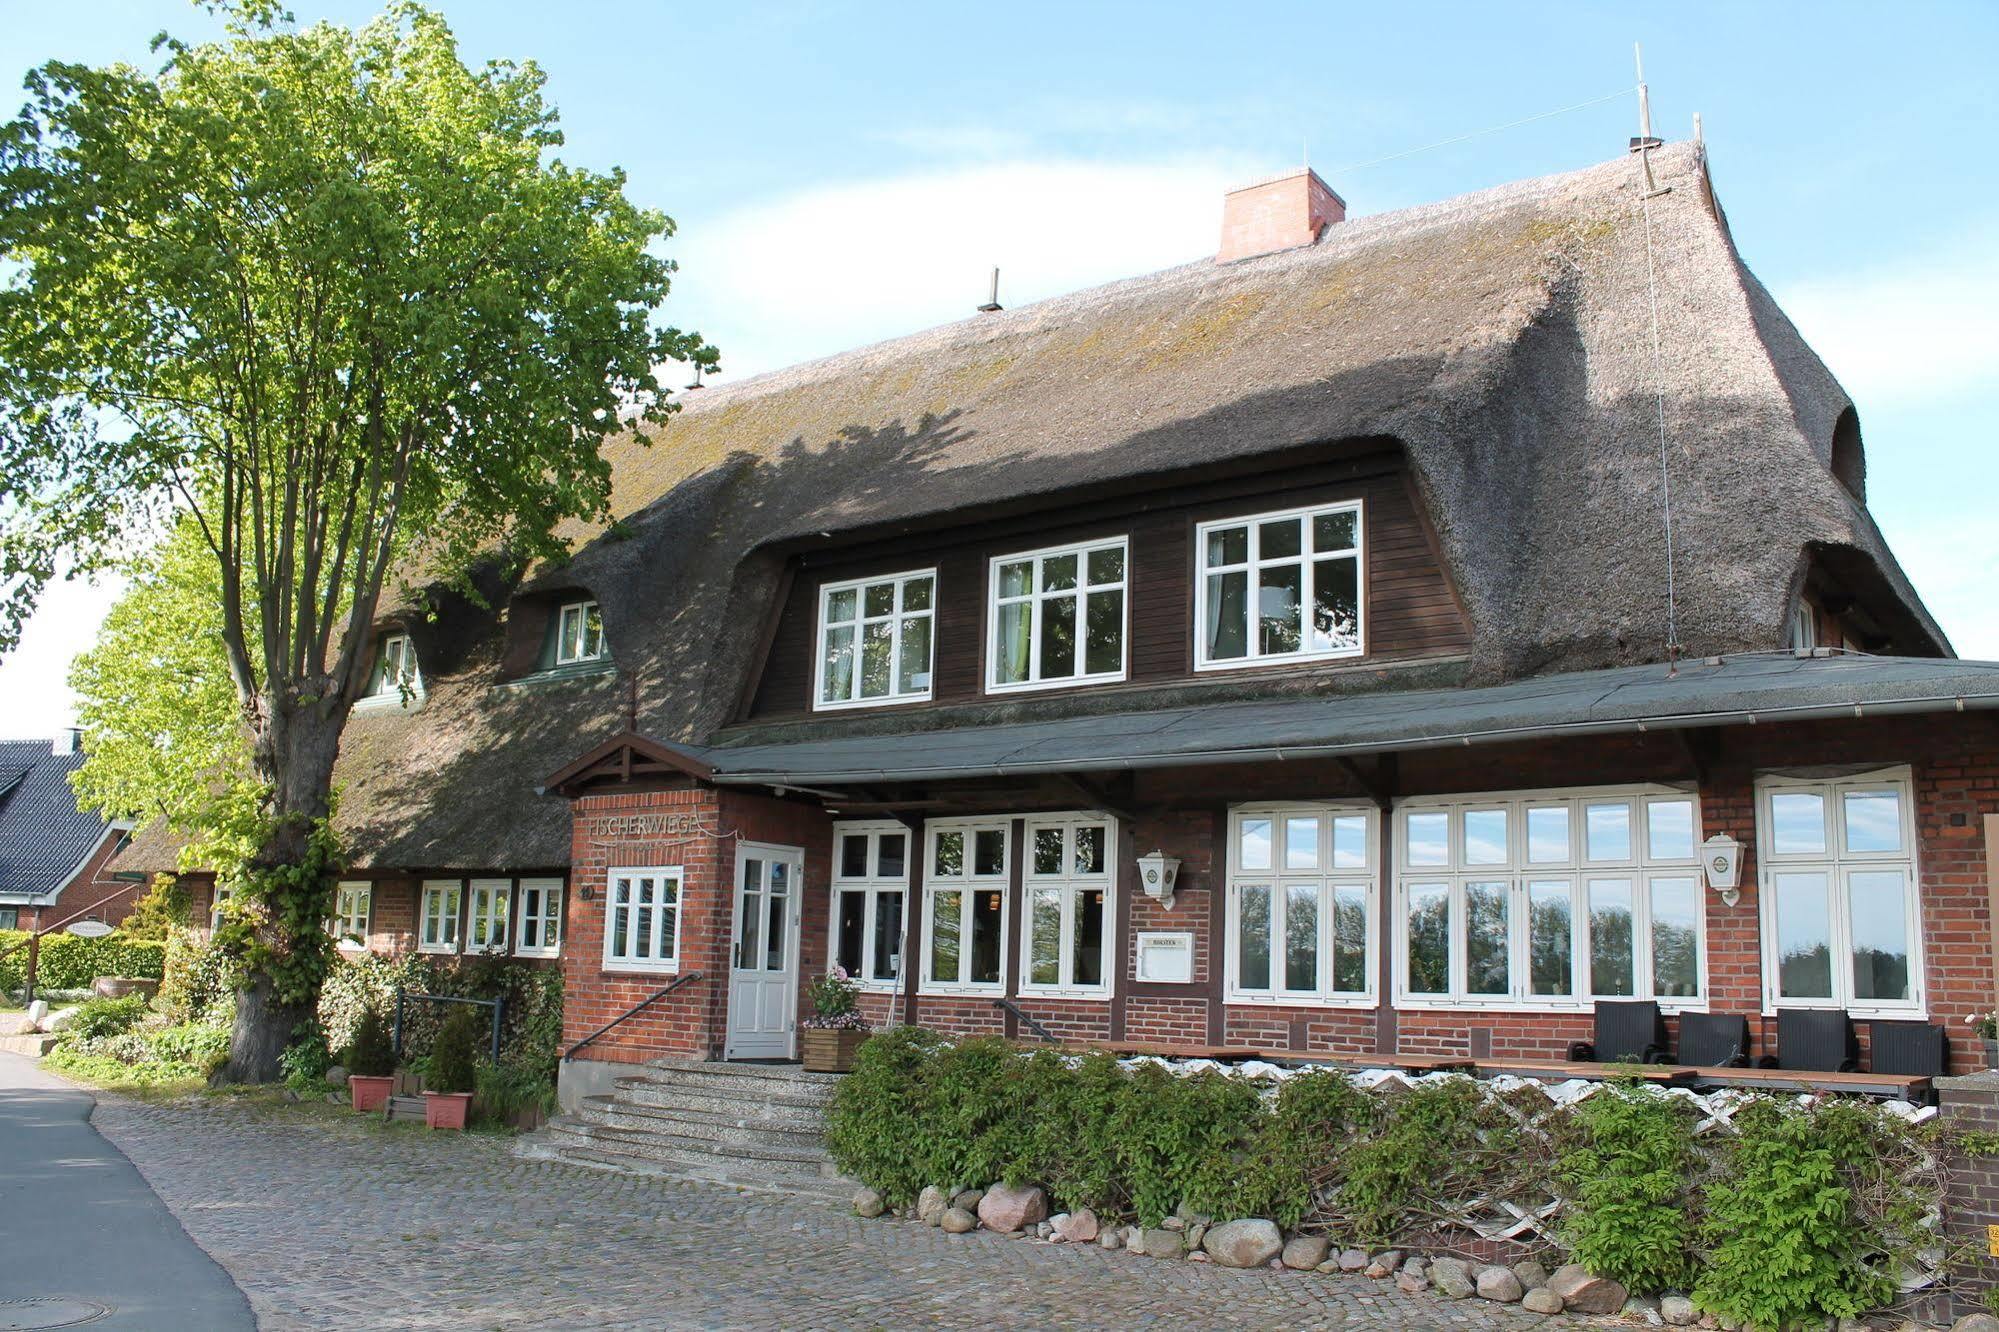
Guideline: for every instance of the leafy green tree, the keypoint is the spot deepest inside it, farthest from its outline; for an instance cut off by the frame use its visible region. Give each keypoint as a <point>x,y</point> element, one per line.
<point>330,296</point>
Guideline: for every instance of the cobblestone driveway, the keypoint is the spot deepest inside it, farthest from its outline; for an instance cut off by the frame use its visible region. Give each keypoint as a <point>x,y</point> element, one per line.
<point>328,1220</point>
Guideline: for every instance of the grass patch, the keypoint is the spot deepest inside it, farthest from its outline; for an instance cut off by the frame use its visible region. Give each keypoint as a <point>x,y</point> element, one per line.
<point>154,1078</point>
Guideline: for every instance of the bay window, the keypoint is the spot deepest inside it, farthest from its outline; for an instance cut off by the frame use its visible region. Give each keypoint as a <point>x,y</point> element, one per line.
<point>1279,587</point>
<point>438,929</point>
<point>1058,617</point>
<point>642,919</point>
<point>1300,883</point>
<point>1069,882</point>
<point>1549,899</point>
<point>539,930</point>
<point>875,640</point>
<point>870,886</point>
<point>965,905</point>
<point>1840,924</point>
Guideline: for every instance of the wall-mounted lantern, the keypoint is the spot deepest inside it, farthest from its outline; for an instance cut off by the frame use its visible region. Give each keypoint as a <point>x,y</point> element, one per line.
<point>1721,861</point>
<point>1158,873</point>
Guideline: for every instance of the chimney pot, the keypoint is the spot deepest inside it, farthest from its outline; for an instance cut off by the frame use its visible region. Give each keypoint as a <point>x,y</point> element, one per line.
<point>67,741</point>
<point>1279,213</point>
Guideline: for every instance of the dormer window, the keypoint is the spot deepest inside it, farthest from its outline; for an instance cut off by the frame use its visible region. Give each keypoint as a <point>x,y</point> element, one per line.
<point>1058,617</point>
<point>579,633</point>
<point>395,675</point>
<point>1279,587</point>
<point>875,640</point>
<point>1804,627</point>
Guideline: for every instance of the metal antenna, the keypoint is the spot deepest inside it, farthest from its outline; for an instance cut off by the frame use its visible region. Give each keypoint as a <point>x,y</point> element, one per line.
<point>1645,142</point>
<point>992,304</point>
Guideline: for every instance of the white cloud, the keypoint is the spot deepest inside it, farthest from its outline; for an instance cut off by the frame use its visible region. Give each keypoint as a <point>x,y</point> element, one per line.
<point>34,678</point>
<point>1923,327</point>
<point>827,268</point>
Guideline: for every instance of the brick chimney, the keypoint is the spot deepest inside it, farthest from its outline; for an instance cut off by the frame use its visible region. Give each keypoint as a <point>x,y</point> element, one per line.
<point>1280,213</point>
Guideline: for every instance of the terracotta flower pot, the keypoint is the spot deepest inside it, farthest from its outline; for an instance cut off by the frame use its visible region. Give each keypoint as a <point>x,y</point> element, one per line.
<point>822,1051</point>
<point>370,1093</point>
<point>446,1110</point>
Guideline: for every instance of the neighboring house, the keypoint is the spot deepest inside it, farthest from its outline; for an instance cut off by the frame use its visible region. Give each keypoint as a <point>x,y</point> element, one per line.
<point>54,858</point>
<point>1335,568</point>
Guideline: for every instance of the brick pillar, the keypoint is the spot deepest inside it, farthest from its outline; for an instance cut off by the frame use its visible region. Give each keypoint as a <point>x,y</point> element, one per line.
<point>1971,1200</point>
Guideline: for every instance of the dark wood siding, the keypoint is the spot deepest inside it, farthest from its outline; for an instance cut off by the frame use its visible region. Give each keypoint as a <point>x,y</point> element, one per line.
<point>1411,610</point>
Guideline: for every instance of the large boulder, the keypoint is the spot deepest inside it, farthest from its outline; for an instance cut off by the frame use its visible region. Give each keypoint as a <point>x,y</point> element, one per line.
<point>1589,1294</point>
<point>1163,1243</point>
<point>59,1020</point>
<point>868,1203</point>
<point>930,1204</point>
<point>38,1013</point>
<point>1541,1300</point>
<point>1976,1322</point>
<point>1453,1277</point>
<point>1500,1285</point>
<point>1077,1227</point>
<point>1005,1209</point>
<point>1250,1243</point>
<point>1384,1264</point>
<point>1302,1253</point>
<point>1532,1274</point>
<point>957,1221</point>
<point>1678,1311</point>
<point>336,1075</point>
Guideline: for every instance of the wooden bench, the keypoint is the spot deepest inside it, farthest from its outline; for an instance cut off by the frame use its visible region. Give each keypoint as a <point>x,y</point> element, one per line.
<point>1562,1070</point>
<point>1908,1087</point>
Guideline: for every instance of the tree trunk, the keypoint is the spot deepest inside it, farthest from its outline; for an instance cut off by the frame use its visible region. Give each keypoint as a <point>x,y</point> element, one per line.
<point>293,757</point>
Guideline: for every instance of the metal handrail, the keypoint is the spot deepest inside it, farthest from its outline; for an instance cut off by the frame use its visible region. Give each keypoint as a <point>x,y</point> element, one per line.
<point>1010,1006</point>
<point>654,997</point>
<point>33,943</point>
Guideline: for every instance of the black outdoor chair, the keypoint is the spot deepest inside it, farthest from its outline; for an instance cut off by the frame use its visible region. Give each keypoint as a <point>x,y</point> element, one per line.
<point>1911,1049</point>
<point>1817,1039</point>
<point>1625,1029</point>
<point>1714,1040</point>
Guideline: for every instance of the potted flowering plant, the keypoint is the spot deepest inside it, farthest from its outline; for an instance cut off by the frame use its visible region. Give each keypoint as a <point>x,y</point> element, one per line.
<point>453,1071</point>
<point>836,1028</point>
<point>371,1063</point>
<point>1987,1026</point>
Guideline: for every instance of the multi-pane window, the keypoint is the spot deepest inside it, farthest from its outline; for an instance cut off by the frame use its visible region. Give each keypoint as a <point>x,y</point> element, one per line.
<point>642,919</point>
<point>965,911</point>
<point>487,930</point>
<point>579,633</point>
<point>870,886</point>
<point>538,933</point>
<point>1058,616</point>
<point>395,674</point>
<point>350,912</point>
<point>1299,886</point>
<point>1552,899</point>
<point>1279,587</point>
<point>437,930</point>
<point>1839,893</point>
<point>221,893</point>
<point>1068,903</point>
<point>875,639</point>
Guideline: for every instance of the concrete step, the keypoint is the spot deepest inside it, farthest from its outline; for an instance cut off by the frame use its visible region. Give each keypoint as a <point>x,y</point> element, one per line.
<point>744,1079</point>
<point>617,1112</point>
<point>663,1144</point>
<point>771,1108</point>
<point>815,1187</point>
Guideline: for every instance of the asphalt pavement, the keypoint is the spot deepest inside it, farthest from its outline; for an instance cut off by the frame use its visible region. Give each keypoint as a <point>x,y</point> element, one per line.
<point>81,1231</point>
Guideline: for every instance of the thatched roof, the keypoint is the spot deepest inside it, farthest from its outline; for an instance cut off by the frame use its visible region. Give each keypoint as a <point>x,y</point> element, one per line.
<point>1504,339</point>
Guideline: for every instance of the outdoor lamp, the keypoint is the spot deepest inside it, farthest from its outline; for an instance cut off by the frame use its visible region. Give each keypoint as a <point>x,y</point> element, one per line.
<point>1157,874</point>
<point>1721,861</point>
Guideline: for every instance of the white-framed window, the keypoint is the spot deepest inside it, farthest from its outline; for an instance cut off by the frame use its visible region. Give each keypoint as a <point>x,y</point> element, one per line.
<point>1841,921</point>
<point>1300,890</point>
<point>1279,587</point>
<point>538,931</point>
<point>870,896</point>
<point>486,931</point>
<point>1066,937</point>
<point>875,640</point>
<point>395,676</point>
<point>1057,617</point>
<point>438,929</point>
<point>579,633</point>
<point>1804,631</point>
<point>642,919</point>
<point>218,894</point>
<point>1550,899</point>
<point>350,911</point>
<point>965,909</point>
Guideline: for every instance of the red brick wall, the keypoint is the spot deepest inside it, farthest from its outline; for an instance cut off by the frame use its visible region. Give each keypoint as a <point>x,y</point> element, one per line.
<point>90,894</point>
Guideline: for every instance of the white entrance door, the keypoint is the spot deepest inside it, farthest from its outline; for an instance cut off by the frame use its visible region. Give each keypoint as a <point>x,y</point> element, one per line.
<point>763,970</point>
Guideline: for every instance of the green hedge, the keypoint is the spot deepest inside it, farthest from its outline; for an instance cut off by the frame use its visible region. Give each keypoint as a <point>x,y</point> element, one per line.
<point>1800,1212</point>
<point>71,962</point>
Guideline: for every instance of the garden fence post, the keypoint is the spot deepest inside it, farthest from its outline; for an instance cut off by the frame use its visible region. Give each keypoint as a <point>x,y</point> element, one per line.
<point>398,1042</point>
<point>497,1005</point>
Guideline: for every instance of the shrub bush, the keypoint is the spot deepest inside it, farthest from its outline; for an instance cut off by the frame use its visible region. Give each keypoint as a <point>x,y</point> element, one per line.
<point>454,1057</point>
<point>162,913</point>
<point>505,1092</point>
<point>198,982</point>
<point>106,1017</point>
<point>191,1043</point>
<point>68,961</point>
<point>371,1053</point>
<point>1630,1171</point>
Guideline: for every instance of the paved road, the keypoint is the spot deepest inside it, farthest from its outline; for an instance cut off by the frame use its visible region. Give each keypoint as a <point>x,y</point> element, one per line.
<point>326,1219</point>
<point>80,1228</point>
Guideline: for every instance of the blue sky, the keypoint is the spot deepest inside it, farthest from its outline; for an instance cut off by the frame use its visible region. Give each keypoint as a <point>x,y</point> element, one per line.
<point>846,172</point>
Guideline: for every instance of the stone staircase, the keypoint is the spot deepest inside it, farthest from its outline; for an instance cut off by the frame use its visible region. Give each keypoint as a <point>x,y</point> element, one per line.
<point>750,1126</point>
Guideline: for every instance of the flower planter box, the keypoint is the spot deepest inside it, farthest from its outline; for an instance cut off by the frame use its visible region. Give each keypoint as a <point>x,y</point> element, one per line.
<point>829,1051</point>
<point>370,1093</point>
<point>1991,1052</point>
<point>446,1110</point>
